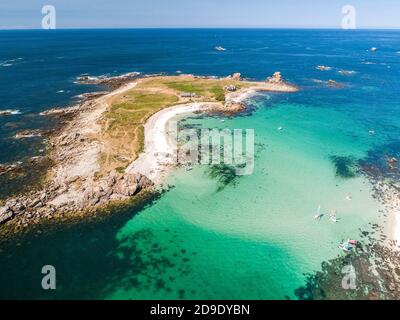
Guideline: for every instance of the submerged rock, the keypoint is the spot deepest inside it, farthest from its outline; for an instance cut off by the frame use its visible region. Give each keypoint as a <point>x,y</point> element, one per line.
<point>335,84</point>
<point>8,112</point>
<point>236,76</point>
<point>224,174</point>
<point>28,134</point>
<point>323,68</point>
<point>10,168</point>
<point>345,166</point>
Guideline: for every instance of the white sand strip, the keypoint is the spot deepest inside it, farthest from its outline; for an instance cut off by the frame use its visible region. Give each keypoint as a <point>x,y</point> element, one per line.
<point>159,151</point>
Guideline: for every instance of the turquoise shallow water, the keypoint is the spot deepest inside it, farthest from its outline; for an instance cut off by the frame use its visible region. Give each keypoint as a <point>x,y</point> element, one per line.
<point>255,239</point>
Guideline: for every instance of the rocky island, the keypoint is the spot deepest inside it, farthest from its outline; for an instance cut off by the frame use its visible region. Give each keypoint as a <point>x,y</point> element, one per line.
<point>113,145</point>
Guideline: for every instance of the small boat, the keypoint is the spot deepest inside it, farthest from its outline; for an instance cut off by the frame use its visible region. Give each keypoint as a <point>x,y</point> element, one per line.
<point>319,214</point>
<point>346,246</point>
<point>373,49</point>
<point>333,216</point>
<point>219,48</point>
<point>280,128</point>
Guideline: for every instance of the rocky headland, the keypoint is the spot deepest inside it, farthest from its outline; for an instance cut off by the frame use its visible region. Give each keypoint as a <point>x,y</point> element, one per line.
<point>89,171</point>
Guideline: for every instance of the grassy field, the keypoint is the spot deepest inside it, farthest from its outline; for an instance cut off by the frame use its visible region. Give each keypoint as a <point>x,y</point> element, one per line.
<point>123,123</point>
<point>207,89</point>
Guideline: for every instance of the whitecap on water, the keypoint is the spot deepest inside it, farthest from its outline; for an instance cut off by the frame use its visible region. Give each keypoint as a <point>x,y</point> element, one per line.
<point>8,112</point>
<point>9,63</point>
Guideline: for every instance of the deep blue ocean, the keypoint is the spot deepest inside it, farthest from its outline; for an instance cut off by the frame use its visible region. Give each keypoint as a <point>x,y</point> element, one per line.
<point>38,70</point>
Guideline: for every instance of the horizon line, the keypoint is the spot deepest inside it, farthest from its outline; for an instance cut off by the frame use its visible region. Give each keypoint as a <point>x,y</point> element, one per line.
<point>22,28</point>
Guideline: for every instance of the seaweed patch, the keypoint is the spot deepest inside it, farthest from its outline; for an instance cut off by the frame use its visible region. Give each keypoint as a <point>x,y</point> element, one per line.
<point>225,175</point>
<point>345,167</point>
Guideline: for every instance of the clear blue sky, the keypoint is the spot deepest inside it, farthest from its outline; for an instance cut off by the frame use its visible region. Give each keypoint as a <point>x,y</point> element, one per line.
<point>199,13</point>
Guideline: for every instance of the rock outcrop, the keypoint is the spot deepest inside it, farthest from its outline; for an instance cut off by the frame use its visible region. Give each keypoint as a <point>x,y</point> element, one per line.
<point>60,198</point>
<point>276,78</point>
<point>323,68</point>
<point>236,76</point>
<point>5,214</point>
<point>28,134</point>
<point>76,183</point>
<point>111,82</point>
<point>10,168</point>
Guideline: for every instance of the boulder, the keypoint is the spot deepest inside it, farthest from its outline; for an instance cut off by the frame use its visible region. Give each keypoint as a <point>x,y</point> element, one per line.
<point>237,76</point>
<point>230,88</point>
<point>276,78</point>
<point>131,184</point>
<point>34,203</point>
<point>144,182</point>
<point>111,180</point>
<point>5,214</point>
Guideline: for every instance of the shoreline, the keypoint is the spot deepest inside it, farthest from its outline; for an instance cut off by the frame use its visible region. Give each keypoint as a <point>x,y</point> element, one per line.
<point>390,199</point>
<point>157,156</point>
<point>73,184</point>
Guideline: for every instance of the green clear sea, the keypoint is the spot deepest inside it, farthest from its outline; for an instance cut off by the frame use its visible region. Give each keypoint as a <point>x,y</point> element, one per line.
<point>255,240</point>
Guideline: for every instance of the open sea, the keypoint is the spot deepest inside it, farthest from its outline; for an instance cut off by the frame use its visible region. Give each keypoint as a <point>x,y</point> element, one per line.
<point>256,239</point>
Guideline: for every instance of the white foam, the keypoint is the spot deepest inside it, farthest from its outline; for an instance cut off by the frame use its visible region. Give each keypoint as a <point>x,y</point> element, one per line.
<point>9,112</point>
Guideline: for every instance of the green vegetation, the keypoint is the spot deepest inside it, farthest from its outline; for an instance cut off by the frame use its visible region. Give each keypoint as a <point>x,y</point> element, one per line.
<point>186,87</point>
<point>124,124</point>
<point>124,121</point>
<point>206,88</point>
<point>218,93</point>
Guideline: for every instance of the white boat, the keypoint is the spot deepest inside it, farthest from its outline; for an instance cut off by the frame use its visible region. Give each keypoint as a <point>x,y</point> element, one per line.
<point>319,214</point>
<point>333,216</point>
<point>348,245</point>
<point>219,48</point>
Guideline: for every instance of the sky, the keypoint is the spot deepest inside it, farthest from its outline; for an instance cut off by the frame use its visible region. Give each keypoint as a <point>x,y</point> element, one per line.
<point>26,14</point>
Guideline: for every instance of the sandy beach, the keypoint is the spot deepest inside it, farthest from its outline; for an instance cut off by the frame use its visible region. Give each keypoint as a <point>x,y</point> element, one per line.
<point>391,201</point>
<point>160,150</point>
